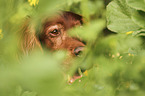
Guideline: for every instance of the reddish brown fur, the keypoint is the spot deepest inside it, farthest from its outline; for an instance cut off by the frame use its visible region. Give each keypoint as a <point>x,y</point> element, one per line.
<point>53,34</point>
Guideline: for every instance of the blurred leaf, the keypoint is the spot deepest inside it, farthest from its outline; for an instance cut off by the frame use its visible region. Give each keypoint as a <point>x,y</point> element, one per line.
<point>114,44</point>
<point>18,91</point>
<point>27,93</point>
<point>90,31</point>
<point>48,7</point>
<point>85,9</point>
<point>1,35</point>
<point>23,11</point>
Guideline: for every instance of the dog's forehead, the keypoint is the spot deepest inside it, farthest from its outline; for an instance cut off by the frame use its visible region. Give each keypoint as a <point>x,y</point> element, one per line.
<point>65,18</point>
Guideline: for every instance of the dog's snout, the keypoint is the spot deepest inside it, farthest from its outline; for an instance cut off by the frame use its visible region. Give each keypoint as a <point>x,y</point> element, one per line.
<point>78,50</point>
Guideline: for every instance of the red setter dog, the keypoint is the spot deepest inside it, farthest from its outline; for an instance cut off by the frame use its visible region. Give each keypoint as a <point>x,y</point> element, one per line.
<point>53,34</point>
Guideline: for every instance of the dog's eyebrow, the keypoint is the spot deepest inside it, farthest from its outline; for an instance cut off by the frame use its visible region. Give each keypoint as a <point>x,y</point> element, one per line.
<point>55,22</point>
<point>51,27</point>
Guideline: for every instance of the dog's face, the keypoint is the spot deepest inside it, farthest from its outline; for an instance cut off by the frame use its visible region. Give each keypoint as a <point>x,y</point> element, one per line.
<point>54,33</point>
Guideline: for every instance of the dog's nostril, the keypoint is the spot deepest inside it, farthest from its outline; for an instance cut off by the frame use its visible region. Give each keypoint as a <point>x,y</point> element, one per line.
<point>78,50</point>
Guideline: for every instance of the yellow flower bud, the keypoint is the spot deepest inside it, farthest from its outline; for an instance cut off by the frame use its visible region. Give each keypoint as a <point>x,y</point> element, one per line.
<point>130,32</point>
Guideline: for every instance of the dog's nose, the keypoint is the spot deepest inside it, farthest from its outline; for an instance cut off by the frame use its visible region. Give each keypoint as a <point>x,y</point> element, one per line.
<point>78,50</point>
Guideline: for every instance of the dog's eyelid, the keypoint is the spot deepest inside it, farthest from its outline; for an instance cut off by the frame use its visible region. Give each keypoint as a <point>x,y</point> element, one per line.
<point>52,30</point>
<point>53,27</point>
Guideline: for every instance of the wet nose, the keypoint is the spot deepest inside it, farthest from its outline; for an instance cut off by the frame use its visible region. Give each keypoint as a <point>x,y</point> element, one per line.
<point>78,50</point>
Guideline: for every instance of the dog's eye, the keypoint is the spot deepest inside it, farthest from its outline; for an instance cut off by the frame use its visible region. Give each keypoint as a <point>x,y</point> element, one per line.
<point>55,32</point>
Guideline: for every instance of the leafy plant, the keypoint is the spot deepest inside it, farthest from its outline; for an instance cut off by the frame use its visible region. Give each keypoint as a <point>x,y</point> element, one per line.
<point>126,15</point>
<point>114,64</point>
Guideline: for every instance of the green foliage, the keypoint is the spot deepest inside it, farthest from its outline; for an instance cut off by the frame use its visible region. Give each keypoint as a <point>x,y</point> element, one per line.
<point>126,15</point>
<point>94,26</point>
<point>115,64</point>
<point>138,5</point>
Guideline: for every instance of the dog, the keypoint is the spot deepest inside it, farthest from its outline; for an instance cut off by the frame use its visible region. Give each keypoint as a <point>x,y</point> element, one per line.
<point>53,34</point>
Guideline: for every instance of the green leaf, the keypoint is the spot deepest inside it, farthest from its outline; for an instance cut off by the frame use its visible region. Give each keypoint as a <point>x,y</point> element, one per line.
<point>137,4</point>
<point>139,33</point>
<point>119,17</point>
<point>139,18</point>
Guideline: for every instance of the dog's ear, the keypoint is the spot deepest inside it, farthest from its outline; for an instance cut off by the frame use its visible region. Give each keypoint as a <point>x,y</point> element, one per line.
<point>72,17</point>
<point>28,41</point>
